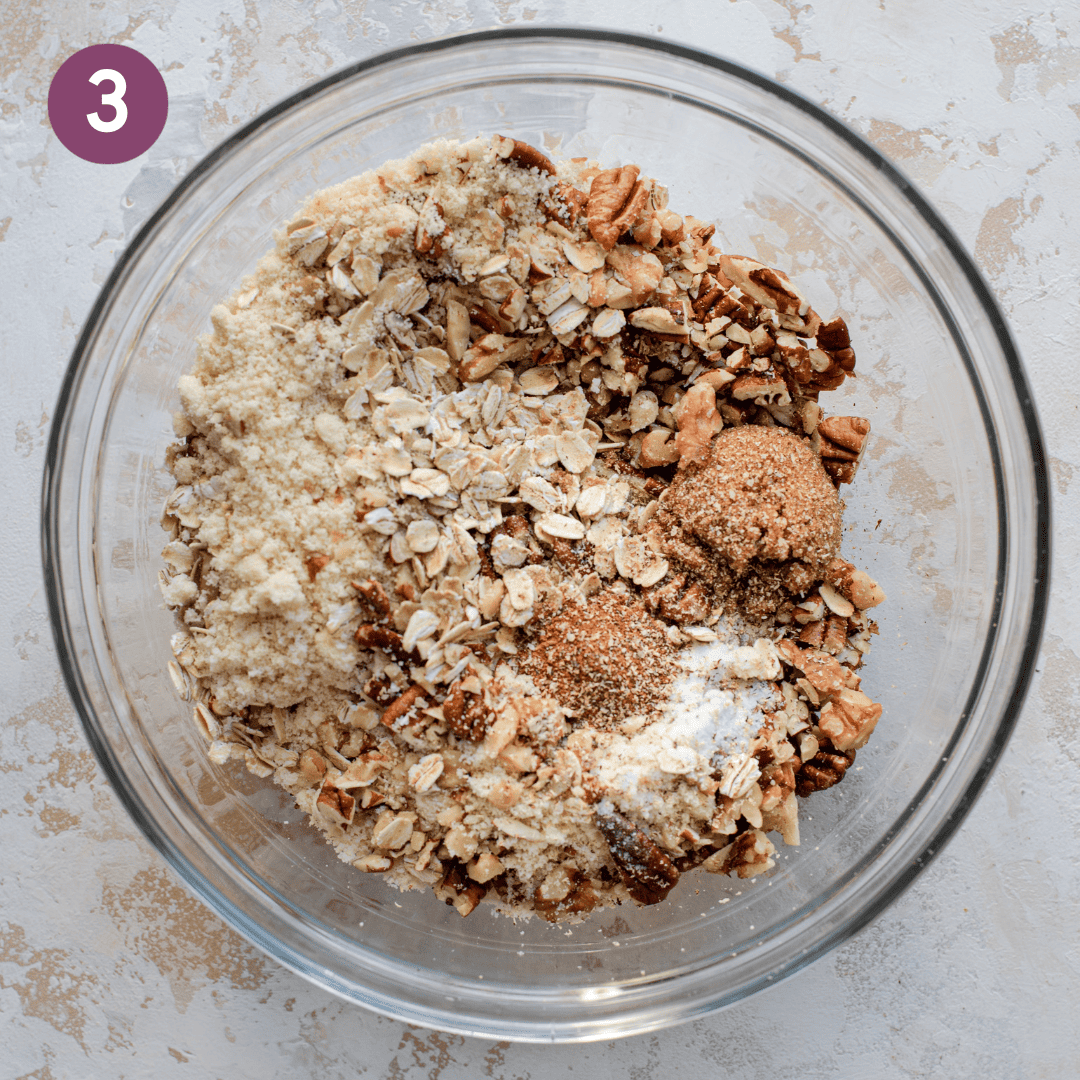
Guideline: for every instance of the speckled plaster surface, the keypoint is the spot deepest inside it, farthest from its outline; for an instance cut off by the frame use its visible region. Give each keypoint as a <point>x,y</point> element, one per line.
<point>109,969</point>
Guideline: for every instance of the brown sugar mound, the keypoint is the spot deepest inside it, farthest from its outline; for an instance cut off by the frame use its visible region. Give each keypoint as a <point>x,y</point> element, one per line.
<point>604,661</point>
<point>764,511</point>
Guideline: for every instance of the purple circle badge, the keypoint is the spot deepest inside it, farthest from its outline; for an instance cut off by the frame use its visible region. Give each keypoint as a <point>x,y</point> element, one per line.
<point>108,104</point>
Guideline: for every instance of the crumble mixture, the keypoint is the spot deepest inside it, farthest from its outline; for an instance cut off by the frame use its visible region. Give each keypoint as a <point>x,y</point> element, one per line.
<point>506,535</point>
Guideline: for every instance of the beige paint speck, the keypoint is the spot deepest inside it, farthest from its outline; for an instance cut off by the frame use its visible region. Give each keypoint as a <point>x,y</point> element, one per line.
<point>188,944</point>
<point>431,1053</point>
<point>1018,45</point>
<point>1058,693</point>
<point>49,986</point>
<point>1015,46</point>
<point>904,144</point>
<point>1062,473</point>
<point>789,34</point>
<point>995,245</point>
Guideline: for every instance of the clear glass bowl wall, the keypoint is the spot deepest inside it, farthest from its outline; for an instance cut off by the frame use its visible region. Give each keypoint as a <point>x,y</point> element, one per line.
<point>947,514</point>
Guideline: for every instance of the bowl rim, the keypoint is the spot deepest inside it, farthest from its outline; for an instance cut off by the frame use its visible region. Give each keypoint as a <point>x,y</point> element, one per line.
<point>61,623</point>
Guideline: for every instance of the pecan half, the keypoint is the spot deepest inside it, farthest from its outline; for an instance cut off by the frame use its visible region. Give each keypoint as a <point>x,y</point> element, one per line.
<point>616,197</point>
<point>648,874</point>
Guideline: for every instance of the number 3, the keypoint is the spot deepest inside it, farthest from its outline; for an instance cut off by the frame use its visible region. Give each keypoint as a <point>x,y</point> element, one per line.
<point>115,98</point>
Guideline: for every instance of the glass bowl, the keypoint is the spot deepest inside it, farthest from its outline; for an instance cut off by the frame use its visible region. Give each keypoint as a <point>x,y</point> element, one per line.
<point>949,512</point>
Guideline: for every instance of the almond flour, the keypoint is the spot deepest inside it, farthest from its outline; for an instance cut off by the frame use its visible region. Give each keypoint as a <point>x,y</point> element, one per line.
<point>506,535</point>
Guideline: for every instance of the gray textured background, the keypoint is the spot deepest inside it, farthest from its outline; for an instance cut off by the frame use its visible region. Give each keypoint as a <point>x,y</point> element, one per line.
<point>109,969</point>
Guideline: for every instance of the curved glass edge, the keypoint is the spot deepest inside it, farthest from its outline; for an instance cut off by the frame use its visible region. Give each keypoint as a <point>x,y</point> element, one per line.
<point>627,1022</point>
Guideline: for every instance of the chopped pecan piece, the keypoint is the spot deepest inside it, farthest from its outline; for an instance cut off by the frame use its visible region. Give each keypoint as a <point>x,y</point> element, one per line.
<point>315,563</point>
<point>488,353</point>
<point>833,335</point>
<point>575,200</point>
<point>845,358</point>
<point>408,702</point>
<point>825,769</point>
<point>661,321</point>
<point>835,636</point>
<point>761,386</point>
<point>465,714</point>
<point>813,634</point>
<point>698,422</point>
<point>657,448</point>
<point>823,672</point>
<point>374,864</point>
<point>778,779</point>
<point>381,691</point>
<point>485,867</point>
<point>848,719</point>
<point>842,442</point>
<point>484,319</point>
<point>708,294</point>
<point>826,372</point>
<point>525,155</point>
<point>427,243</point>
<point>459,891</point>
<point>672,227</point>
<point>375,595</point>
<point>677,603</point>
<point>648,874</point>
<point>375,636</point>
<point>312,766</point>
<point>565,891</point>
<point>768,287</point>
<point>749,854</point>
<point>856,585</point>
<point>550,353</point>
<point>336,805</point>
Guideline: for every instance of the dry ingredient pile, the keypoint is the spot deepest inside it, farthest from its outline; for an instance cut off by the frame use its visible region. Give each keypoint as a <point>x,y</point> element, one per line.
<point>506,534</point>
